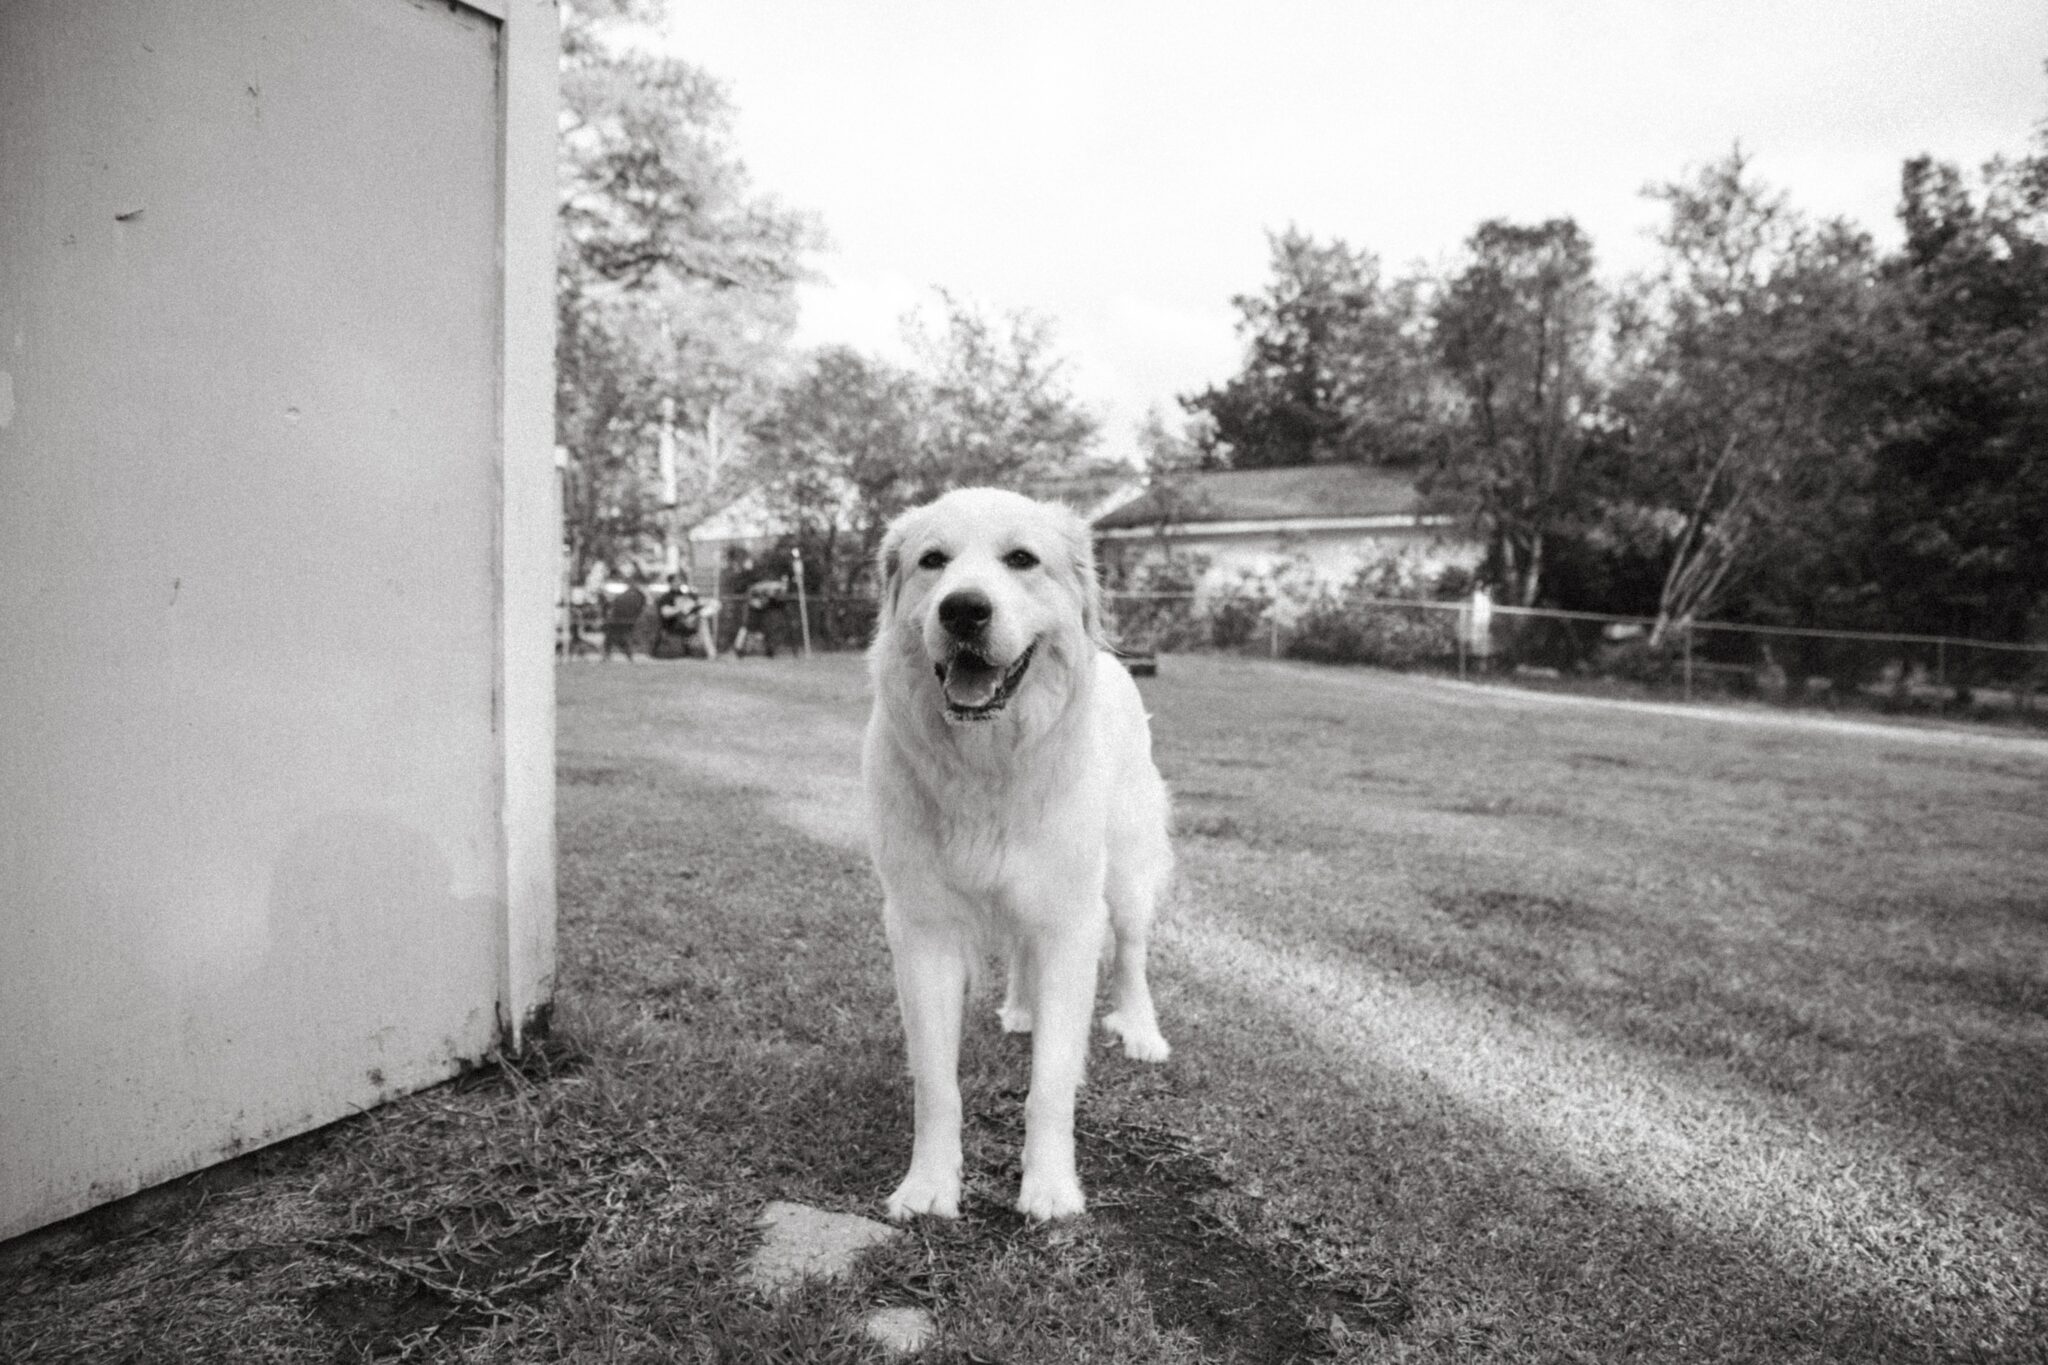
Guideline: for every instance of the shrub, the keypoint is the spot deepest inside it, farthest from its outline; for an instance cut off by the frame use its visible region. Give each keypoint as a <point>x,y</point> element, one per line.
<point>1635,661</point>
<point>1237,613</point>
<point>1338,628</point>
<point>1154,609</point>
<point>1354,623</point>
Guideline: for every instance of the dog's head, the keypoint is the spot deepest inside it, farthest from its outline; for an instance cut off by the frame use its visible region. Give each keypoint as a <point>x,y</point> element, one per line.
<point>990,596</point>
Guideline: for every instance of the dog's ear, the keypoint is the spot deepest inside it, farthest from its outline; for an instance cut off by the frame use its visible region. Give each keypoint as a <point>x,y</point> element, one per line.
<point>1081,561</point>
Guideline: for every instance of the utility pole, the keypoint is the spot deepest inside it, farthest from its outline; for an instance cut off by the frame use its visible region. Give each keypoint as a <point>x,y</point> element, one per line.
<point>671,550</point>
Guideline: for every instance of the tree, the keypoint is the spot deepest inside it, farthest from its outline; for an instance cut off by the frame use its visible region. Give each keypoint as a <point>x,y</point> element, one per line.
<point>1169,458</point>
<point>1514,330</point>
<point>1959,489</point>
<point>650,184</point>
<point>676,283</point>
<point>851,440</point>
<point>839,456</point>
<point>1334,369</point>
<point>609,367</point>
<point>995,406</point>
<point>1734,397</point>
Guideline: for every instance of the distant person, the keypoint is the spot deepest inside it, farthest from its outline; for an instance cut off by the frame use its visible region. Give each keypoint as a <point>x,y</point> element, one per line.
<point>680,610</point>
<point>568,641</point>
<point>762,611</point>
<point>622,618</point>
<point>1482,623</point>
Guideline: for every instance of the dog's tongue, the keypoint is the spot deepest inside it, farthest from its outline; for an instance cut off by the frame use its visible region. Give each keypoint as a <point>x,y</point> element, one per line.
<point>971,680</point>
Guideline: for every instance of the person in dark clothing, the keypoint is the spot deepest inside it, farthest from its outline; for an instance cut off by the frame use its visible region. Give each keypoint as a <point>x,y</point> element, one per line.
<point>680,610</point>
<point>622,618</point>
<point>762,613</point>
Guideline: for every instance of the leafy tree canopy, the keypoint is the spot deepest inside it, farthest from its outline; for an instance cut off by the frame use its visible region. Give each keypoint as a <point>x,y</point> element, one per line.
<point>1334,367</point>
<point>1959,486</point>
<point>1514,334</point>
<point>1737,377</point>
<point>852,439</point>
<point>675,283</point>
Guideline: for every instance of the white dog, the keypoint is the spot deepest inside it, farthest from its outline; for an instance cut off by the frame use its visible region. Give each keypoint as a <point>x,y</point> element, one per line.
<point>1013,805</point>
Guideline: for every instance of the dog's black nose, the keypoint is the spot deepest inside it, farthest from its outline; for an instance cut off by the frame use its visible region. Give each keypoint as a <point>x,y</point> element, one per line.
<point>965,612</point>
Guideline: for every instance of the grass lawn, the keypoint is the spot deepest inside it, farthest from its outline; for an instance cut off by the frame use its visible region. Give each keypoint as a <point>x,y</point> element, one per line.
<point>1505,1026</point>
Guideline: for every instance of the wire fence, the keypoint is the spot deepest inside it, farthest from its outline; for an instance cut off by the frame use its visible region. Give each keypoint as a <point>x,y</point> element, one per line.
<point>1709,658</point>
<point>826,623</point>
<point>1536,645</point>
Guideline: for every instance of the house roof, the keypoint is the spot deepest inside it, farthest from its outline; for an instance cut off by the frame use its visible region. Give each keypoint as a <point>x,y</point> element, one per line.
<point>1298,493</point>
<point>756,514</point>
<point>1092,495</point>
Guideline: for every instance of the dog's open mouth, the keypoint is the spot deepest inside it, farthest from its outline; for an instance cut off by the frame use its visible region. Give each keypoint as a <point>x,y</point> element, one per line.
<point>975,688</point>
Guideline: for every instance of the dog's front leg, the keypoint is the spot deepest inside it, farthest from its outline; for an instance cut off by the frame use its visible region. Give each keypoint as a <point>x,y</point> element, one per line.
<point>931,990</point>
<point>1065,962</point>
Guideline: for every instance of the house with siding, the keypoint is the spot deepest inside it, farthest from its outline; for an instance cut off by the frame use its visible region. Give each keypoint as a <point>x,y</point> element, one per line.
<point>1332,519</point>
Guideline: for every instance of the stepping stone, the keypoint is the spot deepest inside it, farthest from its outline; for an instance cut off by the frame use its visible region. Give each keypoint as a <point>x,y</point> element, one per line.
<point>902,1330</point>
<point>803,1243</point>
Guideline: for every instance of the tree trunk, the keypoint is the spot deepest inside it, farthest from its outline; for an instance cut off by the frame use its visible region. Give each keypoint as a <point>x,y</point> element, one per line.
<point>1693,573</point>
<point>1532,575</point>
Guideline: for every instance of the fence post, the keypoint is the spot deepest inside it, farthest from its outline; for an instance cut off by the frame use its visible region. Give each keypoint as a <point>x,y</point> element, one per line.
<point>1688,661</point>
<point>1273,637</point>
<point>803,610</point>
<point>1941,663</point>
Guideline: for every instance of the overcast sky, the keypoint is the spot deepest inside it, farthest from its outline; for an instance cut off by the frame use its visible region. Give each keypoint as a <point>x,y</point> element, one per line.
<point>1115,166</point>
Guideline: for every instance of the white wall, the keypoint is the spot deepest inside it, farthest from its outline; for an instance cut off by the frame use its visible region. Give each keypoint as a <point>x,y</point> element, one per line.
<point>276,832</point>
<point>1333,556</point>
<point>1329,555</point>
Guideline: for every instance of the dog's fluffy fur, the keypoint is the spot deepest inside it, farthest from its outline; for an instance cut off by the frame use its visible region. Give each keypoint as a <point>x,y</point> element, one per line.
<point>1014,807</point>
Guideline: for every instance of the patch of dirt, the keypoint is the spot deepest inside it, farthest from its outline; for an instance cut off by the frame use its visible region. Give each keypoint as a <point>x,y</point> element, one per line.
<point>2008,990</point>
<point>93,1259</point>
<point>371,1318</point>
<point>463,1268</point>
<point>1200,794</point>
<point>1471,909</point>
<point>1212,827</point>
<point>1159,1205</point>
<point>2019,770</point>
<point>1502,805</point>
<point>547,1055</point>
<point>595,775</point>
<point>1242,1301</point>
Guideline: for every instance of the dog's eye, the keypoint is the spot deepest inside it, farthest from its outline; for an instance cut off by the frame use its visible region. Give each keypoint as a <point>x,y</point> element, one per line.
<point>932,559</point>
<point>1021,559</point>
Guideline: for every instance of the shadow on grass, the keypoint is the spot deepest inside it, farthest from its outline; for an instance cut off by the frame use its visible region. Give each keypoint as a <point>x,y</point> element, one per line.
<point>1817,1024</point>
<point>466,1267</point>
<point>830,1125</point>
<point>1516,1253</point>
<point>729,1037</point>
<point>1496,1243</point>
<point>1162,1206</point>
<point>1202,1275</point>
<point>1692,1292</point>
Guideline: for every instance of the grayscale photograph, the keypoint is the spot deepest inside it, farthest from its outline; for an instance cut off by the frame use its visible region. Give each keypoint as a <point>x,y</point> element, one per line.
<point>1002,683</point>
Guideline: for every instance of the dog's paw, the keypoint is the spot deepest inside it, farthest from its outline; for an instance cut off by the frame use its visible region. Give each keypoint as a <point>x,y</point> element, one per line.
<point>1045,1197</point>
<point>1014,1019</point>
<point>938,1196</point>
<point>1143,1042</point>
